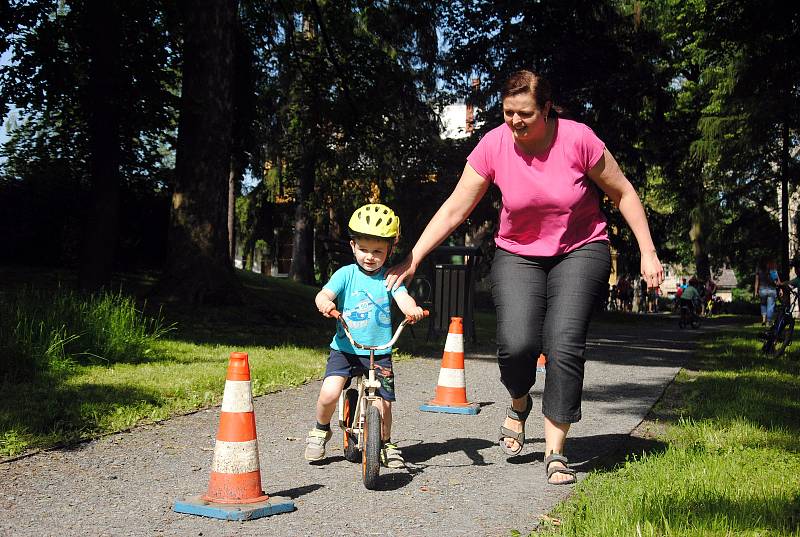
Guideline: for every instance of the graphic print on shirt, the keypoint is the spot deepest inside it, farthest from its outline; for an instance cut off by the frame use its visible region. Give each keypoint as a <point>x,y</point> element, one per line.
<point>359,316</point>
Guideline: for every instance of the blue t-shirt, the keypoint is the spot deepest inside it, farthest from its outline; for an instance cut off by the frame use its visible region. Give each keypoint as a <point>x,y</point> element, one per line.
<point>364,302</point>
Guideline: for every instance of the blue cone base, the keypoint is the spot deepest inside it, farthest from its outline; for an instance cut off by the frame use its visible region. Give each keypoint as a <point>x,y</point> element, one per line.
<point>470,409</point>
<point>195,505</point>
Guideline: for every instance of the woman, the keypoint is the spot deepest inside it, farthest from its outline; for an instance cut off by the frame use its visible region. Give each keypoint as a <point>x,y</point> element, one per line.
<point>552,259</point>
<point>765,287</point>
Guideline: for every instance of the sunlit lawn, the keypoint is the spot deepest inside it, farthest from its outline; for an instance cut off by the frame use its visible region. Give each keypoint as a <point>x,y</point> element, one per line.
<point>731,461</point>
<point>180,371</point>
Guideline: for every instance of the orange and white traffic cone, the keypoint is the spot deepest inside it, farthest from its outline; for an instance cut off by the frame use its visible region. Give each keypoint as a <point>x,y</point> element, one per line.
<point>451,389</point>
<point>541,364</point>
<point>234,490</point>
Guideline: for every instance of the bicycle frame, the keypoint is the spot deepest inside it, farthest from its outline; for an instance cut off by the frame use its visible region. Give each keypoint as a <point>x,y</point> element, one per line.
<point>777,338</point>
<point>367,394</point>
<point>688,315</point>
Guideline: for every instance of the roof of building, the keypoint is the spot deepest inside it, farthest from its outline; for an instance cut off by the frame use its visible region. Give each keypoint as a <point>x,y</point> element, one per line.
<point>726,278</point>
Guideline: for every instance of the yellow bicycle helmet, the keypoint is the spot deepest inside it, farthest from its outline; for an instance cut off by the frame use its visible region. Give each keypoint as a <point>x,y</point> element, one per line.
<point>375,220</point>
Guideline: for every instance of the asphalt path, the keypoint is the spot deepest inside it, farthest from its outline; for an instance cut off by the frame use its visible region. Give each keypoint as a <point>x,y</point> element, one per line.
<point>458,481</point>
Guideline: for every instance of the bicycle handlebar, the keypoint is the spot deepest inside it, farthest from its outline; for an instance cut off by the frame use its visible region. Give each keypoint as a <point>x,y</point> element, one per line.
<point>338,316</point>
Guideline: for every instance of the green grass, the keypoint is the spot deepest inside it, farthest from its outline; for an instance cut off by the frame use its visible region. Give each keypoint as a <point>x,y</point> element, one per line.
<point>124,364</point>
<point>730,464</point>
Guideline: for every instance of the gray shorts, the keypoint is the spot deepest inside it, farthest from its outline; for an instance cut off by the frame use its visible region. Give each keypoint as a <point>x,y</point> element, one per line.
<point>344,364</point>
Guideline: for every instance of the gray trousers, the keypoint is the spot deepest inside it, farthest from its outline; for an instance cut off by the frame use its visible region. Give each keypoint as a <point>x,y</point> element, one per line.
<point>544,305</point>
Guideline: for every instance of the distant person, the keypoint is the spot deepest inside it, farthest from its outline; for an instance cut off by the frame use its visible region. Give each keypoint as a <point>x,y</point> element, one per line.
<point>676,304</point>
<point>690,298</point>
<point>625,293</point>
<point>364,302</point>
<point>643,295</point>
<point>765,287</point>
<point>711,287</point>
<point>614,300</point>
<point>652,299</point>
<point>552,258</point>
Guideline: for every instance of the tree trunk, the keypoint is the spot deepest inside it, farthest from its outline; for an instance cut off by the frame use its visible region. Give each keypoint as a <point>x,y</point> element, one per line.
<point>784,171</point>
<point>302,267</point>
<point>698,233</point>
<point>100,236</point>
<point>198,262</point>
<point>232,178</point>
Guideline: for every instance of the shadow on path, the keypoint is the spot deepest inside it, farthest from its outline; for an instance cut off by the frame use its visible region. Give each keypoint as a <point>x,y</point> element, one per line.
<point>419,453</point>
<point>297,491</point>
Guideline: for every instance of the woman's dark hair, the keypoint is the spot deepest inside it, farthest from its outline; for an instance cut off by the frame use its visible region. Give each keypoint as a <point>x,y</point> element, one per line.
<point>525,81</point>
<point>764,261</point>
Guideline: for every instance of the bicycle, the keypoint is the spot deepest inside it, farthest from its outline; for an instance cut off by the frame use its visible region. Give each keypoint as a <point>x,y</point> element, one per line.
<point>779,335</point>
<point>359,418</point>
<point>688,316</point>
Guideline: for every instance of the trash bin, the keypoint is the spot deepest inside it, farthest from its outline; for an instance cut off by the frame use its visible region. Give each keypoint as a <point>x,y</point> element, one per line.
<point>452,297</point>
<point>454,291</point>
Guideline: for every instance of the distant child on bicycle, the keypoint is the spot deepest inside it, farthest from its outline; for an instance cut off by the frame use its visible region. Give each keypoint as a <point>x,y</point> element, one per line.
<point>364,302</point>
<point>690,298</point>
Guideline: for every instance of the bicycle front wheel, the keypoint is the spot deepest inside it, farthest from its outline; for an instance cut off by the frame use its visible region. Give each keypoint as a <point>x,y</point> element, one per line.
<point>371,454</point>
<point>783,338</point>
<point>770,336</point>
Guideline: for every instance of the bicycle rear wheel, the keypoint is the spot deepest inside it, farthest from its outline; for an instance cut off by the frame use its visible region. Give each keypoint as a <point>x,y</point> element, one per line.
<point>350,442</point>
<point>371,455</point>
<point>783,337</point>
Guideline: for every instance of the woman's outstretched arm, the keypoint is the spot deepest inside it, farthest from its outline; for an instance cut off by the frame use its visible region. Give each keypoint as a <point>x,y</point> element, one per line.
<point>468,192</point>
<point>608,176</point>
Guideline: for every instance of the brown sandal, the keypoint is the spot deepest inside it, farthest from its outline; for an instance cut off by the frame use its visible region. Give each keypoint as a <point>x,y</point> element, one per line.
<point>557,457</point>
<point>505,432</point>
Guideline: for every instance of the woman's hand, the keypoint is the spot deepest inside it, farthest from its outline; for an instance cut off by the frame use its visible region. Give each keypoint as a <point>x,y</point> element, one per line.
<point>399,273</point>
<point>652,272</point>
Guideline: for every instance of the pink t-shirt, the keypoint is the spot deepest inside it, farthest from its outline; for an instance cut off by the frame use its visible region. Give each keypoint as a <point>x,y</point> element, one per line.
<point>550,206</point>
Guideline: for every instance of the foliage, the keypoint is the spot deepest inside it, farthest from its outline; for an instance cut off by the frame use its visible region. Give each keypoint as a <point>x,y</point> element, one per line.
<point>45,332</point>
<point>730,67</point>
<point>697,101</point>
<point>46,161</point>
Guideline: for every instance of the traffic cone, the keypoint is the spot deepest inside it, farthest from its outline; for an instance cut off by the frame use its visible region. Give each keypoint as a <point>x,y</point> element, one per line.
<point>541,364</point>
<point>234,489</point>
<point>451,389</point>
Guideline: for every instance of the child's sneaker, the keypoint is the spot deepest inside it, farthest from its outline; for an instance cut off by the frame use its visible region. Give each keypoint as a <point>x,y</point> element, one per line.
<point>315,444</point>
<point>391,457</point>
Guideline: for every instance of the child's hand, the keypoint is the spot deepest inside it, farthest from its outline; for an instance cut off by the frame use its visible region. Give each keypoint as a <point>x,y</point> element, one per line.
<point>415,313</point>
<point>325,307</point>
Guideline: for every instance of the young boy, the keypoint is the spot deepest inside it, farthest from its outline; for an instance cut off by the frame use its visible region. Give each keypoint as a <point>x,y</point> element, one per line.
<point>364,301</point>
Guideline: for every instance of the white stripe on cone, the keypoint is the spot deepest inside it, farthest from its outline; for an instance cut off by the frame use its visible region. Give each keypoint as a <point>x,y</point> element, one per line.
<point>454,343</point>
<point>235,457</point>
<point>237,396</point>
<point>452,378</point>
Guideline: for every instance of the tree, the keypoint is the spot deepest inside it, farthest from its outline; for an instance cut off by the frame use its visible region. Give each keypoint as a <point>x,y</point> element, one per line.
<point>94,89</point>
<point>198,268</point>
<point>732,65</point>
<point>751,123</point>
<point>103,96</point>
